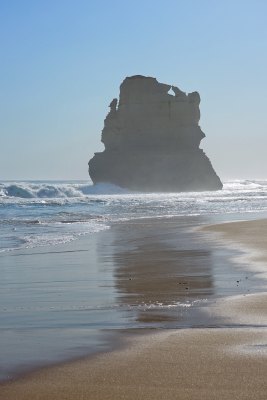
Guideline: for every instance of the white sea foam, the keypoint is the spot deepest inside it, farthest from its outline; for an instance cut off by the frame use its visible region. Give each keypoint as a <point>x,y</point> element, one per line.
<point>52,212</point>
<point>49,190</point>
<point>54,239</point>
<point>34,214</point>
<point>31,190</point>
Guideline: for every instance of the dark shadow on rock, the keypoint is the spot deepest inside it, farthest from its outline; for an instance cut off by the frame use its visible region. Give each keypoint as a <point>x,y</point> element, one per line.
<point>152,140</point>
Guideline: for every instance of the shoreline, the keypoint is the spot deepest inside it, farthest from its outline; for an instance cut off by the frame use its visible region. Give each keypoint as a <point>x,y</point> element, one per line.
<point>183,364</point>
<point>249,236</point>
<point>176,364</point>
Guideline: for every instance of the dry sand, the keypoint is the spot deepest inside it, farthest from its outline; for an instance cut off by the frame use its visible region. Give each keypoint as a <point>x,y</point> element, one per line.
<point>175,364</point>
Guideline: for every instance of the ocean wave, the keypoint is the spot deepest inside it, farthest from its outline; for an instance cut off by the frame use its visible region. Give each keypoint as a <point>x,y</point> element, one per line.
<point>43,190</point>
<point>26,222</point>
<point>244,185</point>
<point>83,190</point>
<point>21,239</point>
<point>48,213</point>
<point>53,220</point>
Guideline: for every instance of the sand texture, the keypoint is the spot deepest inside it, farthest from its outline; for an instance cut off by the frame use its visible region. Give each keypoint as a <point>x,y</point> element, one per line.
<point>251,236</point>
<point>195,364</point>
<point>209,363</point>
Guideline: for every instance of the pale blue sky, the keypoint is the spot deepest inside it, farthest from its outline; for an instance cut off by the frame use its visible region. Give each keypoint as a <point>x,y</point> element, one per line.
<point>62,63</point>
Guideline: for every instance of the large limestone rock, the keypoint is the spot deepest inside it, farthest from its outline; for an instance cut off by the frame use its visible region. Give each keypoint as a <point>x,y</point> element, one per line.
<point>152,139</point>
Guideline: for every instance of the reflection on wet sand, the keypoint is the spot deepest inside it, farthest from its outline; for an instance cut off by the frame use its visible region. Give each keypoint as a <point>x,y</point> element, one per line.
<point>153,273</point>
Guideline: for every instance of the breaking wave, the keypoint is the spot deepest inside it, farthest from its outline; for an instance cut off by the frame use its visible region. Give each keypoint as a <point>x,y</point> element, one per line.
<point>48,213</point>
<point>28,190</point>
<point>59,190</point>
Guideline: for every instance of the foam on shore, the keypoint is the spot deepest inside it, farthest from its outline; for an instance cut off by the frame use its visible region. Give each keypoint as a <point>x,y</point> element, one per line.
<point>211,363</point>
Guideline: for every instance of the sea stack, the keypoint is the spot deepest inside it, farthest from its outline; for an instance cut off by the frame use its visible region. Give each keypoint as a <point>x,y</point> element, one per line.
<point>152,139</point>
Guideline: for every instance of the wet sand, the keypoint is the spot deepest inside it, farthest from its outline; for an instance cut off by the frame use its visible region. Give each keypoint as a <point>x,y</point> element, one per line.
<point>210,363</point>
<point>249,236</point>
<point>194,364</point>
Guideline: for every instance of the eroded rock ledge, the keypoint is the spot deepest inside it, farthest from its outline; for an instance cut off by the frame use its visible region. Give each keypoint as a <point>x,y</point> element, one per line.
<point>152,139</point>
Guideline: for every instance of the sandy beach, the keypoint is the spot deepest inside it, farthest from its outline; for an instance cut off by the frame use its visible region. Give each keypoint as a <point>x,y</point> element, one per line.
<point>250,236</point>
<point>200,363</point>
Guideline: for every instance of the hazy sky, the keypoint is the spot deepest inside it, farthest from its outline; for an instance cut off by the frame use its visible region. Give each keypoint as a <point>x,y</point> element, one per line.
<point>62,63</point>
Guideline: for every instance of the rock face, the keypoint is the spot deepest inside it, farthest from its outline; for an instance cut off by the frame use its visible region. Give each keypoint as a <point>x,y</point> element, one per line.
<point>152,139</point>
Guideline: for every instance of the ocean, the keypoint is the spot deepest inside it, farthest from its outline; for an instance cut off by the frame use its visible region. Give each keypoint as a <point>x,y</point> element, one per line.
<point>40,213</point>
<point>81,263</point>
